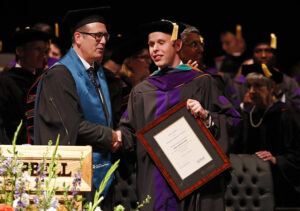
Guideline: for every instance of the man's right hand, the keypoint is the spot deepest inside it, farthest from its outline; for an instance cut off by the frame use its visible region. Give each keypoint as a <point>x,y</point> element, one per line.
<point>193,64</point>
<point>116,140</point>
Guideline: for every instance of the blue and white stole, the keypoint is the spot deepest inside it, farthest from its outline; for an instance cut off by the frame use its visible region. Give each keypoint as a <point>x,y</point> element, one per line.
<point>92,109</point>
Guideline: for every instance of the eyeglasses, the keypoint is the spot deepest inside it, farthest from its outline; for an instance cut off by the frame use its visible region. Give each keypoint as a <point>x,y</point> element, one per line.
<point>98,35</point>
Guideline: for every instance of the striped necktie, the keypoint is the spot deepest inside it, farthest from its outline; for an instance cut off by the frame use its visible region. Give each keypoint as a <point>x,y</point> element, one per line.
<point>93,78</point>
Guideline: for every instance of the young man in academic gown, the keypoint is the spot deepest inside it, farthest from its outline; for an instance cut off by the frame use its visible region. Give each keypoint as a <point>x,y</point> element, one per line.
<point>73,98</point>
<point>171,84</point>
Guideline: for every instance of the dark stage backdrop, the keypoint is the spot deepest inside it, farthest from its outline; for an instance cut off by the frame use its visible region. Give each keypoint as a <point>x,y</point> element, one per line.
<point>258,19</point>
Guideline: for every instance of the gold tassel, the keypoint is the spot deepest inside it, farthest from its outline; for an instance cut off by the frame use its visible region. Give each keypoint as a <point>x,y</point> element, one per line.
<point>175,32</point>
<point>266,70</point>
<point>56,32</point>
<point>273,43</point>
<point>201,39</point>
<point>238,31</point>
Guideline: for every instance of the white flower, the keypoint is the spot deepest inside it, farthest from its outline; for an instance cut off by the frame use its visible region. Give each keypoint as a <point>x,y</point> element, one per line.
<point>26,176</point>
<point>51,209</point>
<point>15,203</point>
<point>98,209</point>
<point>25,199</point>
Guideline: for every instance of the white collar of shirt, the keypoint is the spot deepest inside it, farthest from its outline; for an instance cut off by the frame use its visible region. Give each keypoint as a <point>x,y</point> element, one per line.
<point>85,63</point>
<point>20,66</point>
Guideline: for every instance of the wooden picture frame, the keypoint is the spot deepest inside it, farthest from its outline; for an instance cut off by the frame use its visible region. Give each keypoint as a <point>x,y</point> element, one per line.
<point>173,142</point>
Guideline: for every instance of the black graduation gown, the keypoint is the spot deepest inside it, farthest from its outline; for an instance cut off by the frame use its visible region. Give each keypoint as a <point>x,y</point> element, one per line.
<point>144,100</point>
<point>59,112</point>
<point>14,86</point>
<point>279,134</point>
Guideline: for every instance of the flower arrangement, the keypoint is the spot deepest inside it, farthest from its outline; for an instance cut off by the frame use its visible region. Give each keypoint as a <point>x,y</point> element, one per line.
<point>15,182</point>
<point>13,178</point>
<point>14,186</point>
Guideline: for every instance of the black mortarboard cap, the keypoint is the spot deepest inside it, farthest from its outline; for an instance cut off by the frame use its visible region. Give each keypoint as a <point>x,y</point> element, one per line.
<point>27,35</point>
<point>270,39</point>
<point>236,30</point>
<point>268,72</point>
<point>165,26</point>
<point>77,18</point>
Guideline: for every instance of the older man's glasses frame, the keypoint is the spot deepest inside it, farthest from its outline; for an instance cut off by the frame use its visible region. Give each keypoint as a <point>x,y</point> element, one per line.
<point>98,35</point>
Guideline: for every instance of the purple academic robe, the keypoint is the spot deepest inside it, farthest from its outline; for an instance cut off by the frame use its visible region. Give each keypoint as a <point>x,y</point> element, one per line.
<point>149,100</point>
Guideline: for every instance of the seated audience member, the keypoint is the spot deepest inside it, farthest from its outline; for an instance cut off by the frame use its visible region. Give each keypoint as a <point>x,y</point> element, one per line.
<point>270,129</point>
<point>192,52</point>
<point>234,46</point>
<point>130,63</point>
<point>55,51</point>
<point>265,53</point>
<point>31,51</point>
<point>192,47</point>
<point>228,65</point>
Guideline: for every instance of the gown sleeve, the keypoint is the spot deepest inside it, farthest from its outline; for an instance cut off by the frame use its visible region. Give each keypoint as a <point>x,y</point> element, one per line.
<point>224,115</point>
<point>128,125</point>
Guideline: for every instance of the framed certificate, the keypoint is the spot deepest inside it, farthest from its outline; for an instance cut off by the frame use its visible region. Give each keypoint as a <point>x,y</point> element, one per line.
<point>183,149</point>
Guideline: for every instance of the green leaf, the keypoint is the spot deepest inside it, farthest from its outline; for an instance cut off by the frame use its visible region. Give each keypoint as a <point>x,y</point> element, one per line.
<point>108,175</point>
<point>14,141</point>
<point>98,198</point>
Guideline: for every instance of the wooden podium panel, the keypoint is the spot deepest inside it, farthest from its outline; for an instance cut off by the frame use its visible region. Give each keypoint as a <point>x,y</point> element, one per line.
<point>68,163</point>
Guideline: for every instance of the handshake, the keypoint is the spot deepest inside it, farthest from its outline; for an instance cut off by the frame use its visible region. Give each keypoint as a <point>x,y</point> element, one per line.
<point>116,140</point>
